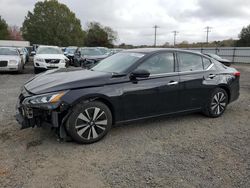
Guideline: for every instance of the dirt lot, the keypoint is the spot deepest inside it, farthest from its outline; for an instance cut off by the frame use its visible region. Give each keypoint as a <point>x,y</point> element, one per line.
<point>186,151</point>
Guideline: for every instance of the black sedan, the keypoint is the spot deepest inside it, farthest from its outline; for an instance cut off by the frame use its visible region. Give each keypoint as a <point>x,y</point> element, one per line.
<point>128,86</point>
<point>69,52</point>
<point>220,59</point>
<point>87,57</point>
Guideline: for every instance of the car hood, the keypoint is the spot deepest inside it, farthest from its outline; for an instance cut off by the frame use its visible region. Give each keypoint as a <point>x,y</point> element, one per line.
<point>9,57</point>
<point>64,79</point>
<point>51,56</point>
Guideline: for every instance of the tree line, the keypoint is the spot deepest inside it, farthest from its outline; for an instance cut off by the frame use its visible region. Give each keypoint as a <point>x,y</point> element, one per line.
<point>53,23</point>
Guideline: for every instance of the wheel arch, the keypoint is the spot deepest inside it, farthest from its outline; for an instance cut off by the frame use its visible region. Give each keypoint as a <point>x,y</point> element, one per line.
<point>227,90</point>
<point>101,98</point>
<point>109,105</point>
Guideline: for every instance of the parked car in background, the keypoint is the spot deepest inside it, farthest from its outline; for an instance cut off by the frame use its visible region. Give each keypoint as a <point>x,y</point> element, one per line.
<point>27,54</point>
<point>115,50</point>
<point>220,59</point>
<point>69,53</point>
<point>87,57</point>
<point>23,54</point>
<point>63,49</point>
<point>105,51</point>
<point>127,86</point>
<point>49,57</point>
<point>11,60</point>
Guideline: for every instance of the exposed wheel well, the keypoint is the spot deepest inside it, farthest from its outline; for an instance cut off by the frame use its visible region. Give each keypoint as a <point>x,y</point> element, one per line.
<point>228,92</point>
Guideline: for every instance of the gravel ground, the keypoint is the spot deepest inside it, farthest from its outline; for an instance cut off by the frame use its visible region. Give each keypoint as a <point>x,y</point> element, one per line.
<point>183,151</point>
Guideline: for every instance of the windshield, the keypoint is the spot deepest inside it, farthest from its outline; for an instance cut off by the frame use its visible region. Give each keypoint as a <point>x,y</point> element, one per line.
<point>49,50</point>
<point>90,51</point>
<point>118,63</point>
<point>70,50</point>
<point>8,51</point>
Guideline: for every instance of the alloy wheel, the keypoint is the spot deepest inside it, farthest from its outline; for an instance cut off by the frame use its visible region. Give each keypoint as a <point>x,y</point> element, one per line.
<point>219,103</point>
<point>91,123</point>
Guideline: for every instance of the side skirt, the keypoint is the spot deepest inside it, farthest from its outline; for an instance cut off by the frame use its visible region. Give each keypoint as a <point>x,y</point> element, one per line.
<point>161,115</point>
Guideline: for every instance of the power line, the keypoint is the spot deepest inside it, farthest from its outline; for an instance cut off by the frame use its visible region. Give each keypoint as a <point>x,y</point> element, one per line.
<point>175,33</point>
<point>208,29</point>
<point>155,27</point>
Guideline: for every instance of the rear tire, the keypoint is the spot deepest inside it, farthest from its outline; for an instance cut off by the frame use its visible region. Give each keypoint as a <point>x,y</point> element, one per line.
<point>89,122</point>
<point>216,104</point>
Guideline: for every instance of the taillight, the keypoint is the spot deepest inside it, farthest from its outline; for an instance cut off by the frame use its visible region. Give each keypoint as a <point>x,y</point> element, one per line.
<point>237,74</point>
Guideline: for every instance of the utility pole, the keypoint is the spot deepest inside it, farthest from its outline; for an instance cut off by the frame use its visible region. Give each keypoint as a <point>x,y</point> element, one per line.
<point>155,27</point>
<point>175,33</point>
<point>208,29</point>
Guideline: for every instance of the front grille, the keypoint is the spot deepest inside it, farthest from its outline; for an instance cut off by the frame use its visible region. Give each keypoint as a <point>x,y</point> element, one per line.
<point>3,63</point>
<point>53,61</point>
<point>52,67</point>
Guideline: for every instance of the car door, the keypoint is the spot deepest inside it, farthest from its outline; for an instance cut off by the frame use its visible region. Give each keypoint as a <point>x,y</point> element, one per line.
<point>158,94</point>
<point>196,80</point>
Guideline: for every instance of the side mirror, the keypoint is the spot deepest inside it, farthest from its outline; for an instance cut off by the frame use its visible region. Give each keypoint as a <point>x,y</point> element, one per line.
<point>140,73</point>
<point>33,53</point>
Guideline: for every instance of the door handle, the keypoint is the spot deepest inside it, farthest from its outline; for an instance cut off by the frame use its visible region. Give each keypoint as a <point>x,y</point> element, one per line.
<point>172,83</point>
<point>211,76</point>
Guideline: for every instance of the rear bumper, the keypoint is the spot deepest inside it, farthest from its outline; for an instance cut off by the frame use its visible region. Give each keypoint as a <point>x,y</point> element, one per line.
<point>235,90</point>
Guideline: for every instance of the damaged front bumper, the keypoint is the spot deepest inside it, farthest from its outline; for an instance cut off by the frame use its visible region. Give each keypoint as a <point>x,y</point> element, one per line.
<point>31,115</point>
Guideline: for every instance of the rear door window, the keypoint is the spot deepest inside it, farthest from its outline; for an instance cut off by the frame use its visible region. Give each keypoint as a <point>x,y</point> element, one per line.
<point>190,62</point>
<point>206,63</point>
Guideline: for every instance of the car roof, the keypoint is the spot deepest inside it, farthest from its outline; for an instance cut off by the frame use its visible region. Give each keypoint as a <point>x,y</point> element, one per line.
<point>8,47</point>
<point>101,47</point>
<point>209,53</point>
<point>45,46</point>
<point>152,50</point>
<point>89,48</point>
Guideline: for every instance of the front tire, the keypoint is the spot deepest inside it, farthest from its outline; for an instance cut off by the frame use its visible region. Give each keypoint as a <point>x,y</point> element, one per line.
<point>89,122</point>
<point>20,71</point>
<point>217,103</point>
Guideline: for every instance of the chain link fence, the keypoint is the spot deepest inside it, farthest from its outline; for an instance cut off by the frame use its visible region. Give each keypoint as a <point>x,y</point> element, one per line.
<point>234,54</point>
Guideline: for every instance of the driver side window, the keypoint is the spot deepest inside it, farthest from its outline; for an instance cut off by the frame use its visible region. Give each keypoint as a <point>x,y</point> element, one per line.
<point>159,64</point>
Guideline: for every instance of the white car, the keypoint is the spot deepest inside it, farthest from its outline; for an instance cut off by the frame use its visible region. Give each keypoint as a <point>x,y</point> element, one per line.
<point>49,57</point>
<point>10,60</point>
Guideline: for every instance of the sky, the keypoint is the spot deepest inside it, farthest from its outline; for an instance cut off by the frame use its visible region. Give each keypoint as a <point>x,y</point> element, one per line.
<point>134,19</point>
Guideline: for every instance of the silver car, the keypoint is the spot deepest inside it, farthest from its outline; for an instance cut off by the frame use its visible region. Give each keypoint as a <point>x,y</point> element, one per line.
<point>10,59</point>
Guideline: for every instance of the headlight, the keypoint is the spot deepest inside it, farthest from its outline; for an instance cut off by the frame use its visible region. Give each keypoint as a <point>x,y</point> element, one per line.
<point>39,59</point>
<point>50,100</point>
<point>13,62</point>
